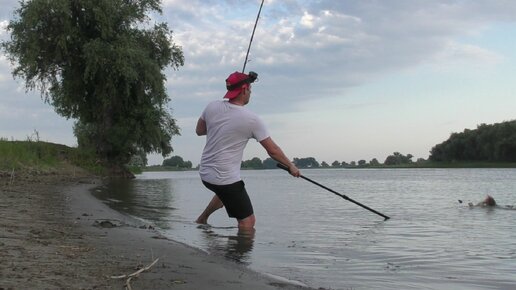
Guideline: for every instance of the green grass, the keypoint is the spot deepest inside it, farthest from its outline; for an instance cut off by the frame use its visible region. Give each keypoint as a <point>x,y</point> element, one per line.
<point>19,154</point>
<point>135,169</point>
<point>43,156</point>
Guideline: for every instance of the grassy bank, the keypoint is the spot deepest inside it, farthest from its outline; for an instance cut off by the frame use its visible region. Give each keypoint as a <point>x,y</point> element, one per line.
<point>42,157</point>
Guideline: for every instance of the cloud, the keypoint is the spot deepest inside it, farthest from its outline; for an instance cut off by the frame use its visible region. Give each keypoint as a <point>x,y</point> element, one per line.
<point>308,52</point>
<point>454,52</point>
<point>3,27</point>
<point>305,49</point>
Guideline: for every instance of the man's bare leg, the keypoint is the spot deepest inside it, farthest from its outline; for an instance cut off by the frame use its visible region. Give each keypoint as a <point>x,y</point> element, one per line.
<point>247,223</point>
<point>214,205</point>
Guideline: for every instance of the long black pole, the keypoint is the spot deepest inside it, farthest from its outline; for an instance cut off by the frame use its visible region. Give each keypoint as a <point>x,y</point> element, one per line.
<point>252,35</point>
<point>333,191</point>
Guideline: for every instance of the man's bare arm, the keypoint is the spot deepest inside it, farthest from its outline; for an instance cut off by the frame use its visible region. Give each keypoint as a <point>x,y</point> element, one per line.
<point>277,154</point>
<point>200,129</point>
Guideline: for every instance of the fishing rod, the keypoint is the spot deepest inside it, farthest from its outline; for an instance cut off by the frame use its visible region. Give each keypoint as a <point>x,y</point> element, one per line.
<point>333,191</point>
<point>252,36</point>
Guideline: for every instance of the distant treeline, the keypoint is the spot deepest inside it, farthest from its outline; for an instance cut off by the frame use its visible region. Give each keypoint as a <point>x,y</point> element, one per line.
<point>488,143</point>
<point>177,163</point>
<point>310,162</point>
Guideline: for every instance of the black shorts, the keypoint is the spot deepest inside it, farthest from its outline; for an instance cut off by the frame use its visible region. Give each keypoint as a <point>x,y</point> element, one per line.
<point>234,197</point>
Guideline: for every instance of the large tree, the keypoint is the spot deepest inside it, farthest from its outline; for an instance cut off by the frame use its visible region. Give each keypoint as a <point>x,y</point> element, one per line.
<point>100,63</point>
<point>491,143</point>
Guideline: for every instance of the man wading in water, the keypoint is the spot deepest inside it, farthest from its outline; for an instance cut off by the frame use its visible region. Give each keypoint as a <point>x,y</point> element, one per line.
<point>228,126</point>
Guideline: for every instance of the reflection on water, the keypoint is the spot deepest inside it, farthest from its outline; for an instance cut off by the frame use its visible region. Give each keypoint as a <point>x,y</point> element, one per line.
<point>306,234</point>
<point>234,247</point>
<point>156,200</point>
<point>152,200</point>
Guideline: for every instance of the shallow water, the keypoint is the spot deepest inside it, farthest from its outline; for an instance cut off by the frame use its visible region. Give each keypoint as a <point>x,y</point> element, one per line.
<point>307,234</point>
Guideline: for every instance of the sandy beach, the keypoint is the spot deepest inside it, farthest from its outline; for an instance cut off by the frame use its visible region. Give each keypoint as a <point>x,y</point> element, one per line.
<point>55,235</point>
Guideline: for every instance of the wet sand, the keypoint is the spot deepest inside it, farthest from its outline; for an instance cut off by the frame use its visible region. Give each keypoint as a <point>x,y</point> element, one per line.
<point>55,235</point>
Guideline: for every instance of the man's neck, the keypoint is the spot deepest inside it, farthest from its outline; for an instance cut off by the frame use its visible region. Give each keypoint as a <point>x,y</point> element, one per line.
<point>237,101</point>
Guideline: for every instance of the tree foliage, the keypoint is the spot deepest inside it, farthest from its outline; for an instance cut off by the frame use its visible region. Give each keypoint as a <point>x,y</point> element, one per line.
<point>101,63</point>
<point>255,163</point>
<point>397,159</point>
<point>178,162</point>
<point>491,143</point>
<point>308,162</point>
<point>270,163</point>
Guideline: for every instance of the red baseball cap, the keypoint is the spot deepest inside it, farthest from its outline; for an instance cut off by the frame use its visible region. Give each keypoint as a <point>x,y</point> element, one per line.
<point>235,81</point>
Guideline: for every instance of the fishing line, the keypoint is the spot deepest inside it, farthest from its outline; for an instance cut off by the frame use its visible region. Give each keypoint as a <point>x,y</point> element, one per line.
<point>252,36</point>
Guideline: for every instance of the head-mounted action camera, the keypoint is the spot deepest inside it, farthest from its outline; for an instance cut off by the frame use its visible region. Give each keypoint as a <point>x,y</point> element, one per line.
<point>251,78</point>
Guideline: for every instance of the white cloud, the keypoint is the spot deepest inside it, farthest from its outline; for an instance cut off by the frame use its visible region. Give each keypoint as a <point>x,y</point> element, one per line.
<point>331,44</point>
<point>311,51</point>
<point>307,20</point>
<point>3,27</point>
<point>454,52</point>
<point>5,74</point>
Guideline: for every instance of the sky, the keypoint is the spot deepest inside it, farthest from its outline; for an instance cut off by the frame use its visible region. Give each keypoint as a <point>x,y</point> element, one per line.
<point>338,80</point>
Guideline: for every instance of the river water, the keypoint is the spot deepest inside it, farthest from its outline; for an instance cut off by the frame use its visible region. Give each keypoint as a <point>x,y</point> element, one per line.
<point>307,234</point>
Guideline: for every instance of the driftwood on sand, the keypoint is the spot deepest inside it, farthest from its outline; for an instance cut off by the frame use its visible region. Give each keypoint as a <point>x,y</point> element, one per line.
<point>135,274</point>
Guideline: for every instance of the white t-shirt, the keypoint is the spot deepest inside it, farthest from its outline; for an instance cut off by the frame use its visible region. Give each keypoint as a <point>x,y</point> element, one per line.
<point>229,127</point>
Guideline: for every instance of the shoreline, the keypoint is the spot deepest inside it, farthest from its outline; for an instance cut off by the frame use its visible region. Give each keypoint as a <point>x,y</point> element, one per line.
<point>55,234</point>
